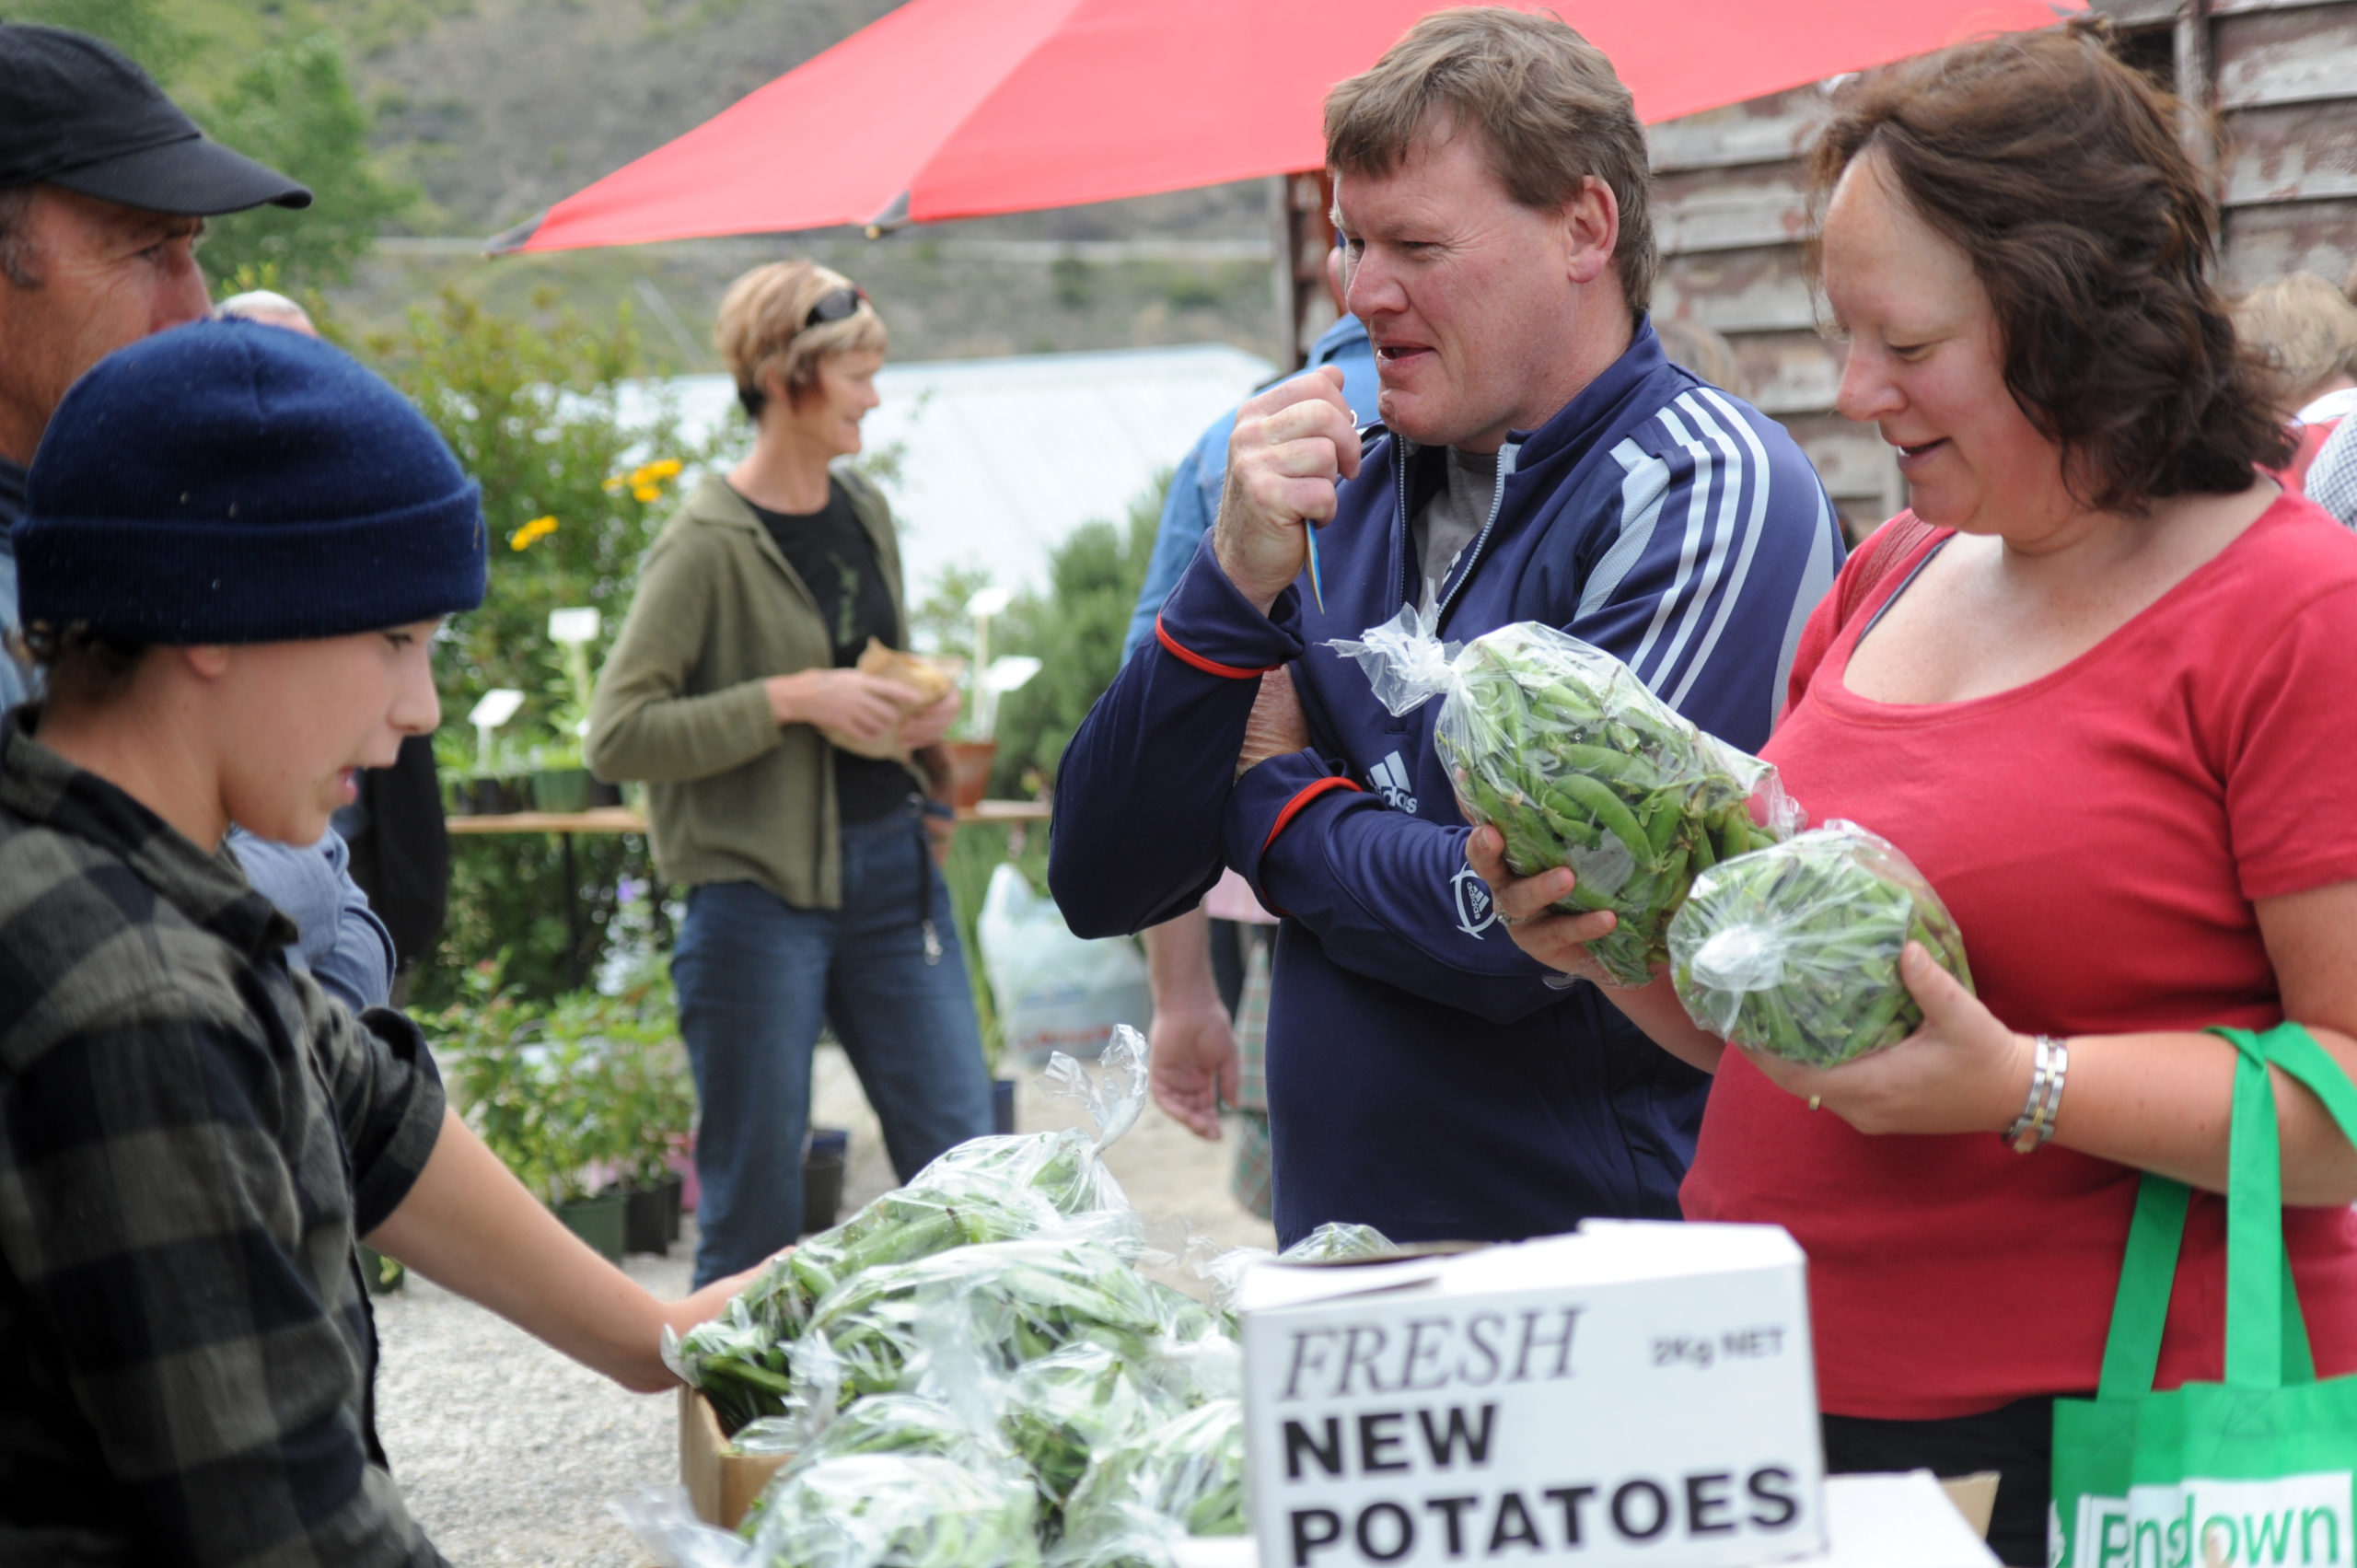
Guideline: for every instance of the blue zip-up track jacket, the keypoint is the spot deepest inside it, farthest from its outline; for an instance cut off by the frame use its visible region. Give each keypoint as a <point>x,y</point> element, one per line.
<point>1423,1075</point>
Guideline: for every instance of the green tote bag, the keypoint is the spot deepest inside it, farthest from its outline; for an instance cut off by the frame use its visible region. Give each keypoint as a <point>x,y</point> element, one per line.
<point>2261,1469</point>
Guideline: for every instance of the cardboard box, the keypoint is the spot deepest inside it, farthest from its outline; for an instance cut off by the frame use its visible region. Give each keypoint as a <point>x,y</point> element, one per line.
<point>1975,1497</point>
<point>1905,1521</point>
<point>1633,1393</point>
<point>721,1482</point>
<point>1874,1521</point>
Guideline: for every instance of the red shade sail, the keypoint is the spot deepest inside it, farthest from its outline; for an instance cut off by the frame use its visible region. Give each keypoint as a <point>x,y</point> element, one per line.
<point>951,109</point>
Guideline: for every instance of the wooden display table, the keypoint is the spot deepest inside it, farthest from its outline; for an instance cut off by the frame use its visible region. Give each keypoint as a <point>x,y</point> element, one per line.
<point>622,819</point>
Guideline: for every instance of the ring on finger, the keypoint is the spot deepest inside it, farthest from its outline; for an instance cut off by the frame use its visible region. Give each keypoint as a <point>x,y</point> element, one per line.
<point>1816,1102</point>
<point>1510,921</point>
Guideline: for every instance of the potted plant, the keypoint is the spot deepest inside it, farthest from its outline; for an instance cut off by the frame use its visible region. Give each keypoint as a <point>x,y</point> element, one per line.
<point>560,783</point>
<point>585,1141</point>
<point>657,1104</point>
<point>536,1088</point>
<point>381,1274</point>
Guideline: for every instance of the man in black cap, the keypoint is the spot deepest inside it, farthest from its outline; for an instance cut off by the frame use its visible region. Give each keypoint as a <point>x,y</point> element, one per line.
<point>105,186</point>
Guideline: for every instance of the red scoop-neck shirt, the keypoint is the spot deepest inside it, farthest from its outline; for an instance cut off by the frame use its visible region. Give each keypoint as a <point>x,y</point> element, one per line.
<point>2100,835</point>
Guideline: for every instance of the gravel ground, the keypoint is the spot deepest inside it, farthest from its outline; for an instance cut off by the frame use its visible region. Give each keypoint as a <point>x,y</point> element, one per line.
<point>509,1454</point>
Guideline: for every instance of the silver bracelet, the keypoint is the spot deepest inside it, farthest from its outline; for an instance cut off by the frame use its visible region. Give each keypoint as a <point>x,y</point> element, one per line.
<point>2032,1129</point>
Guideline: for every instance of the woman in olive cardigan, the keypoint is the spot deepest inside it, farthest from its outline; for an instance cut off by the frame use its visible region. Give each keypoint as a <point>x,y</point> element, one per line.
<point>812,894</point>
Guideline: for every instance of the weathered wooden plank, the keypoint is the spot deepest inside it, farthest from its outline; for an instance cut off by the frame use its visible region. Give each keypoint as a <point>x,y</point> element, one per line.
<point>2138,13</point>
<point>1762,130</point>
<point>2263,243</point>
<point>1760,289</point>
<point>2294,153</point>
<point>1722,209</point>
<point>2242,7</point>
<point>1788,374</point>
<point>2285,56</point>
<point>1852,459</point>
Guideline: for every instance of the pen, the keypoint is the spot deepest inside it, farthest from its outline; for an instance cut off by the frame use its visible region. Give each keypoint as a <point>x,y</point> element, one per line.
<point>1310,532</point>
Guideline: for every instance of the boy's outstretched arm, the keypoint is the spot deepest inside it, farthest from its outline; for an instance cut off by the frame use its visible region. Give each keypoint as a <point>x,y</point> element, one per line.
<point>469,1225</point>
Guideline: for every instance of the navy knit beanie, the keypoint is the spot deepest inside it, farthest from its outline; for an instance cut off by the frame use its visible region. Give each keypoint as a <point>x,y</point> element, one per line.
<point>228,482</point>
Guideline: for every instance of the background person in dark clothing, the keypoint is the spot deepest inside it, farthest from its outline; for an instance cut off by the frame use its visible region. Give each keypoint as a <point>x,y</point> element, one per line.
<point>401,854</point>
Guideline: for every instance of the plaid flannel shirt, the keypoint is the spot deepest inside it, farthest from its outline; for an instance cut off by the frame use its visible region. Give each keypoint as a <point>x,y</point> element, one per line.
<point>189,1138</point>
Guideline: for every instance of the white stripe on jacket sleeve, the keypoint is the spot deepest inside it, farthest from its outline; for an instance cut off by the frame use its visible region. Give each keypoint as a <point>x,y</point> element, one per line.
<point>1700,403</point>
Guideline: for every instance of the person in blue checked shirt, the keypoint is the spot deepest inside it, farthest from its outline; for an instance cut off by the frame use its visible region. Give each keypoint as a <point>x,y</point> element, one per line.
<point>1539,459</point>
<point>1194,999</point>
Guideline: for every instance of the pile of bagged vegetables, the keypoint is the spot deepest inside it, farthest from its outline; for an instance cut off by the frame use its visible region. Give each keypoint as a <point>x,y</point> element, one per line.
<point>972,1370</point>
<point>1566,752</point>
<point>1793,950</point>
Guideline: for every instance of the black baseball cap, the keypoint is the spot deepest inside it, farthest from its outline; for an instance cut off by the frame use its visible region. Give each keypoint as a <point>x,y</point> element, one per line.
<point>78,113</point>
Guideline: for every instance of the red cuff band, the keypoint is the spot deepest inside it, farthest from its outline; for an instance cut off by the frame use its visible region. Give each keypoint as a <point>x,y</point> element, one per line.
<point>1208,667</point>
<point>1293,808</point>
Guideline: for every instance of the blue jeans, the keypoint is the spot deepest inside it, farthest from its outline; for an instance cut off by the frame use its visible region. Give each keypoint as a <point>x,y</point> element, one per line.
<point>756,977</point>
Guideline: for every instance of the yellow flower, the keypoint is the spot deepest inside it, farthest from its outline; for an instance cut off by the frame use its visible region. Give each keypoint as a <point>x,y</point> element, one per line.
<point>538,528</point>
<point>644,482</point>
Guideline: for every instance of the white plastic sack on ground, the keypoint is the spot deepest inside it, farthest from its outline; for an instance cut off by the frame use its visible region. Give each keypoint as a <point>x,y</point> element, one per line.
<point>1054,990</point>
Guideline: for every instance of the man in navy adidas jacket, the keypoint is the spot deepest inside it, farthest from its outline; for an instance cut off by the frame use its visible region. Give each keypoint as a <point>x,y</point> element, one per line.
<point>1539,459</point>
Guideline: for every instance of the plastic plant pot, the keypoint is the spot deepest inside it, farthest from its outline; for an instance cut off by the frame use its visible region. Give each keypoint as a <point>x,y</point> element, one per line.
<point>970,769</point>
<point>562,790</point>
<point>604,796</point>
<point>496,798</point>
<point>599,1221</point>
<point>646,1218</point>
<point>381,1274</point>
<point>822,1177</point>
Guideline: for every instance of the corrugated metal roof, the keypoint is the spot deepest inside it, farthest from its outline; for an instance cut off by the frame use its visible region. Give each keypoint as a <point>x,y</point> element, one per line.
<point>1000,459</point>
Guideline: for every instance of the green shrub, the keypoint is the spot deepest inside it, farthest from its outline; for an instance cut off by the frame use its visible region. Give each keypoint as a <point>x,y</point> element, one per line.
<point>572,1094</point>
<point>1075,630</point>
<point>572,493</point>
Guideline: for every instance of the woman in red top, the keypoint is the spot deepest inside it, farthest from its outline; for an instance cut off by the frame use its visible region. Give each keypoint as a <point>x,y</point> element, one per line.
<point>2103,704</point>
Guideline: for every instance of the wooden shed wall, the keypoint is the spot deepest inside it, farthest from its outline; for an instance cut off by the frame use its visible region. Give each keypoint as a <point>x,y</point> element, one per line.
<point>1730,216</point>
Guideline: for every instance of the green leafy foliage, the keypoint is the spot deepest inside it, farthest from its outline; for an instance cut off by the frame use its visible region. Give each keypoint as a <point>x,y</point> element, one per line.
<point>141,28</point>
<point>974,853</point>
<point>573,492</point>
<point>1074,629</point>
<point>570,1095</point>
<point>293,109</point>
<point>270,81</point>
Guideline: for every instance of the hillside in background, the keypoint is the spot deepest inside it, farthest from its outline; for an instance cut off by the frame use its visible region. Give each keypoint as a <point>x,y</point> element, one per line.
<point>481,113</point>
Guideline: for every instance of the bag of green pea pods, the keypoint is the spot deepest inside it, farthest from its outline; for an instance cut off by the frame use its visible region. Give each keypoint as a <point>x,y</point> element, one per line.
<point>1563,749</point>
<point>1793,950</point>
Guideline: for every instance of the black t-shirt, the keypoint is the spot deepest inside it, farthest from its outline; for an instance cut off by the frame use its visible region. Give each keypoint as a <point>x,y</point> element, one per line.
<point>831,551</point>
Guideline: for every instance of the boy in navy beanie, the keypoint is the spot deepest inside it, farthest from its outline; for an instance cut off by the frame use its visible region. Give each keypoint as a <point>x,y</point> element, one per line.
<point>237,546</point>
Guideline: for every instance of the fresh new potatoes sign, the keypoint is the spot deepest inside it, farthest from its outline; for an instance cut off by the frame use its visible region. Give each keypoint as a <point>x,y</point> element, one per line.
<point>1632,1393</point>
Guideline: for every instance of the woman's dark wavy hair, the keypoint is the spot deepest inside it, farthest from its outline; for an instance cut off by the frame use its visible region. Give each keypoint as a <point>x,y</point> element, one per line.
<point>2057,168</point>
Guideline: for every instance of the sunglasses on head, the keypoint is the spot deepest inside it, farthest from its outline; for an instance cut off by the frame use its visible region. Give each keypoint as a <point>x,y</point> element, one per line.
<point>836,304</point>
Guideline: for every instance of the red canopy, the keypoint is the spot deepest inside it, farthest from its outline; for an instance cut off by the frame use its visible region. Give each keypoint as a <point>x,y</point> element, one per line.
<point>951,109</point>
